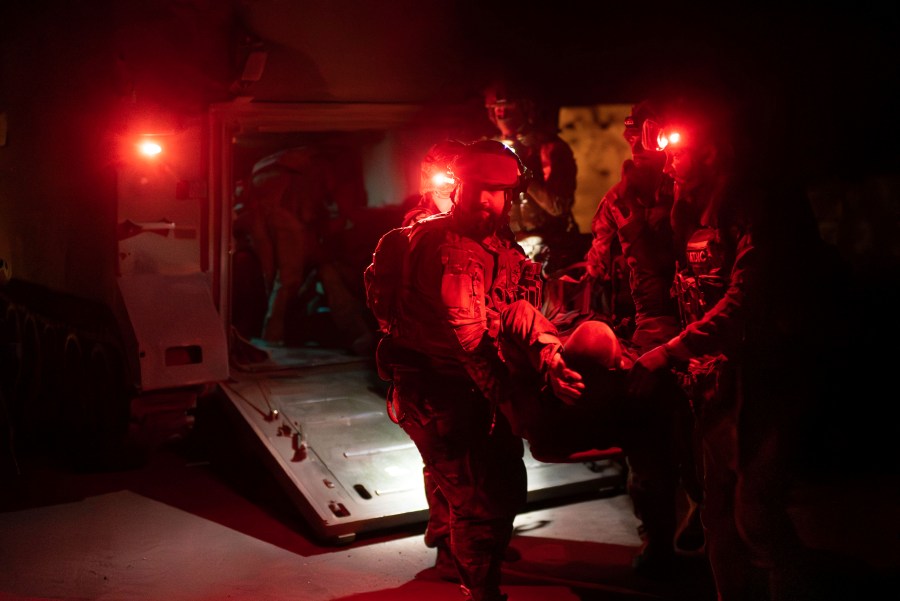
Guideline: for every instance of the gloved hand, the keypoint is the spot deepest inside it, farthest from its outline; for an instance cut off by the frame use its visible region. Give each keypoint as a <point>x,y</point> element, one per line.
<point>566,383</point>
<point>647,370</point>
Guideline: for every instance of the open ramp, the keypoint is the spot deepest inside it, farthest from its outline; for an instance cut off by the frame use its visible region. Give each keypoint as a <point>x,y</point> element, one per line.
<point>320,423</point>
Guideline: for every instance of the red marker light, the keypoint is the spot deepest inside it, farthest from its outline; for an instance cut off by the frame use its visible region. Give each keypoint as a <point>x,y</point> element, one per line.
<point>149,149</point>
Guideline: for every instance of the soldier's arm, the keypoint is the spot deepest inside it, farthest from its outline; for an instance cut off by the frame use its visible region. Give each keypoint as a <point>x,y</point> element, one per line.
<point>604,230</point>
<point>723,324</point>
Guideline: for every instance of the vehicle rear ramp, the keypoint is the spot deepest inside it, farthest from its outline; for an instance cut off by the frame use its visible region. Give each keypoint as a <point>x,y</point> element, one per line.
<point>319,421</point>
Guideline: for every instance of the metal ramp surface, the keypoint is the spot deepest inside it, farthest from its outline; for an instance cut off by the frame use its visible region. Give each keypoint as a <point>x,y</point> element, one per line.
<point>324,431</point>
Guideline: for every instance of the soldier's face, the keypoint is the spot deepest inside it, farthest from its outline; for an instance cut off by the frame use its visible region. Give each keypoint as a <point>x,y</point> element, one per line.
<point>442,201</point>
<point>649,160</point>
<point>481,211</point>
<point>508,116</point>
<point>439,188</point>
<point>487,203</point>
<point>683,166</point>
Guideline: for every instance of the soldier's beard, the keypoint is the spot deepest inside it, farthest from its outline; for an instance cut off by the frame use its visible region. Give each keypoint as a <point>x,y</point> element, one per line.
<point>479,223</point>
<point>643,179</point>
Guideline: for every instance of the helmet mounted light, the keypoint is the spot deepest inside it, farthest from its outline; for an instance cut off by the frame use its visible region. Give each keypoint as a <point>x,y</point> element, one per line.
<point>443,179</point>
<point>656,137</point>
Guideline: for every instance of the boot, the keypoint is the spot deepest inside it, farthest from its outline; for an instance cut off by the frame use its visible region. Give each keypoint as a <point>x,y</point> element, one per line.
<point>444,564</point>
<point>655,561</point>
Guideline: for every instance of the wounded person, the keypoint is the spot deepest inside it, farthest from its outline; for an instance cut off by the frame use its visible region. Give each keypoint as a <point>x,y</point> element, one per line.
<point>568,396</point>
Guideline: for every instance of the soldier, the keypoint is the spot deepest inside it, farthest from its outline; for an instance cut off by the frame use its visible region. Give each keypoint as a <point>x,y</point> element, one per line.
<point>541,214</point>
<point>744,312</point>
<point>304,198</point>
<point>441,313</point>
<point>291,193</point>
<point>635,213</point>
<point>436,183</point>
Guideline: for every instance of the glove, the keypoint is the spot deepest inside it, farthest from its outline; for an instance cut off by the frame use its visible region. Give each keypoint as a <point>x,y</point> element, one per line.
<point>647,370</point>
<point>565,383</point>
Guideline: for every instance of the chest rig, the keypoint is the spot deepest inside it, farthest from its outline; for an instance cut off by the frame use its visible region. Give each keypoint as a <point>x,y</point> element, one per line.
<point>479,282</point>
<point>701,283</point>
<point>515,278</point>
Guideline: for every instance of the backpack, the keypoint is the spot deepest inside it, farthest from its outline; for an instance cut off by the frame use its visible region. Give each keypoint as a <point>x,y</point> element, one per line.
<point>384,276</point>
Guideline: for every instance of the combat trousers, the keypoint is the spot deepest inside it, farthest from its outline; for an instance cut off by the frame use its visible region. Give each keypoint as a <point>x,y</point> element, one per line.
<point>476,464</point>
<point>287,253</point>
<point>736,576</point>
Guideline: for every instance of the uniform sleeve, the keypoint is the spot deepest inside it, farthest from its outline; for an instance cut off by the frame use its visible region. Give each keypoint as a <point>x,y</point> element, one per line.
<point>722,327</point>
<point>603,228</point>
<point>527,336</point>
<point>450,301</point>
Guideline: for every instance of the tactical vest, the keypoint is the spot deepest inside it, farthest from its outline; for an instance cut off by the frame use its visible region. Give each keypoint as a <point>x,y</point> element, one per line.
<point>701,284</point>
<point>466,268</point>
<point>481,282</point>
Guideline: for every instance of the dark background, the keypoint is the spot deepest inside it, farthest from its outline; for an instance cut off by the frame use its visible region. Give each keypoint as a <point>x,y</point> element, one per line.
<point>817,83</point>
<point>829,72</point>
<point>826,74</point>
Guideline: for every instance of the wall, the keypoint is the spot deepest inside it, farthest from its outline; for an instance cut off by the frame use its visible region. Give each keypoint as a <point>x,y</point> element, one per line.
<point>595,135</point>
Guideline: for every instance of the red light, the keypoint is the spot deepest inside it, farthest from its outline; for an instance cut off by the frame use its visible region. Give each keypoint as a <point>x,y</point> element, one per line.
<point>665,139</point>
<point>661,141</point>
<point>149,149</point>
<point>442,179</point>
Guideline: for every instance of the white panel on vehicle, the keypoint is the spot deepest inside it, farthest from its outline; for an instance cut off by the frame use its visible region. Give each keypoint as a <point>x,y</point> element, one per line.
<point>180,334</point>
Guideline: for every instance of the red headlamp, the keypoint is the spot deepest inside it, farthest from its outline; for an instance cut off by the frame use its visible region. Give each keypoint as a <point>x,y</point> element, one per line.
<point>656,137</point>
<point>443,179</point>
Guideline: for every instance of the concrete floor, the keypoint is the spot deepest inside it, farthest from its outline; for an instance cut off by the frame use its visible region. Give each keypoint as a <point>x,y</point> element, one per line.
<point>194,523</point>
<point>200,519</point>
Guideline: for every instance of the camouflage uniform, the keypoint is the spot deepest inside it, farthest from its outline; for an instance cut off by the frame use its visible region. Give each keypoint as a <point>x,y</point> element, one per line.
<point>457,271</point>
<point>447,382</point>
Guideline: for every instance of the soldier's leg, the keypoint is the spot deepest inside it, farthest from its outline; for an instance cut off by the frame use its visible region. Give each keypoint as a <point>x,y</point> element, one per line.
<point>490,490</point>
<point>480,473</point>
<point>735,575</point>
<point>761,504</point>
<point>652,485</point>
<point>292,247</point>
<point>689,535</point>
<point>437,531</point>
<point>346,309</point>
